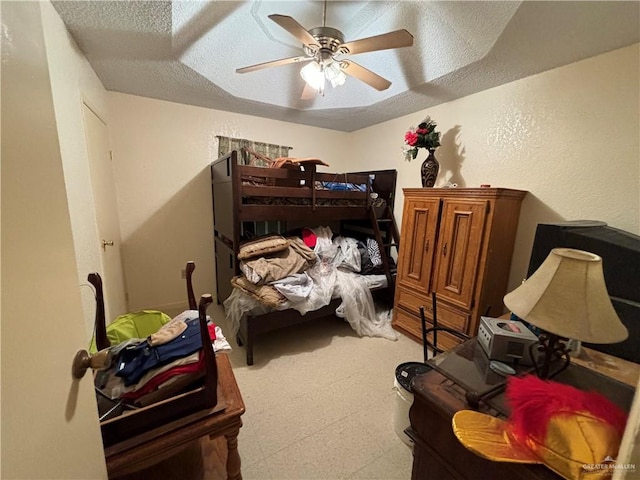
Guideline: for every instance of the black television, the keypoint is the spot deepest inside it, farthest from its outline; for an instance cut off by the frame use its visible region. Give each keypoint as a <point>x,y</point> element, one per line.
<point>620,252</point>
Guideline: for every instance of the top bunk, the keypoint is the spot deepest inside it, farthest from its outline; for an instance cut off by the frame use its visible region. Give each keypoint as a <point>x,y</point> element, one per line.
<point>295,192</point>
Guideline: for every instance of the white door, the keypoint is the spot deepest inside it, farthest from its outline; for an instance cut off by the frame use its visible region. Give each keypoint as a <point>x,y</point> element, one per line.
<point>108,223</point>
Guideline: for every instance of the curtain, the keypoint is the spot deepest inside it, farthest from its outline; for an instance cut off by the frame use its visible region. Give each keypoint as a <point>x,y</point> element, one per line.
<point>227,144</point>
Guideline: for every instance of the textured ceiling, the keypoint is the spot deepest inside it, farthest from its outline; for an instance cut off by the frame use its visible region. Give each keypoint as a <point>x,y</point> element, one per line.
<point>188,52</point>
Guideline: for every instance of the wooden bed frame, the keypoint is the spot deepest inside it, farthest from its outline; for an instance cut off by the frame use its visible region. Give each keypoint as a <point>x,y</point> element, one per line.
<point>236,192</point>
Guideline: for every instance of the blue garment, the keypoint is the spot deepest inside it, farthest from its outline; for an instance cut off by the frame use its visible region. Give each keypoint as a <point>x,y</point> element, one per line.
<point>137,360</point>
<point>361,187</point>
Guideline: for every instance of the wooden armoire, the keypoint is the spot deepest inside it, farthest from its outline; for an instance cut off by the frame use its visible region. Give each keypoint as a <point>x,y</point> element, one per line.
<point>457,242</point>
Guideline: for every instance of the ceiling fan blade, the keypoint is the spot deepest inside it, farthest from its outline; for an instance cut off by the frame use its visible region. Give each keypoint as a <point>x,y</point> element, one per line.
<point>274,63</point>
<point>364,75</point>
<point>397,39</point>
<point>309,93</point>
<point>295,29</point>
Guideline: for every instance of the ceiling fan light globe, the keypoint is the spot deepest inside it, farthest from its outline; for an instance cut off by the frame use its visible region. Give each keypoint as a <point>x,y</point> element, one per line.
<point>334,74</point>
<point>338,80</point>
<point>331,71</point>
<point>313,75</point>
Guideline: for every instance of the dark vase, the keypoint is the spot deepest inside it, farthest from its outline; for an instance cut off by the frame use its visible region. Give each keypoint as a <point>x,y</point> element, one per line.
<point>429,170</point>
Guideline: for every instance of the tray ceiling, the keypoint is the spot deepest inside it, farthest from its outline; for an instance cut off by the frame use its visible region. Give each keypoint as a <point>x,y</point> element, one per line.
<point>188,51</point>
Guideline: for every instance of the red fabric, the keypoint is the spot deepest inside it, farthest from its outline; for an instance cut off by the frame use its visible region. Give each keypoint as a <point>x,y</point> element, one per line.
<point>162,377</point>
<point>212,331</point>
<point>534,401</point>
<point>159,379</point>
<point>309,238</point>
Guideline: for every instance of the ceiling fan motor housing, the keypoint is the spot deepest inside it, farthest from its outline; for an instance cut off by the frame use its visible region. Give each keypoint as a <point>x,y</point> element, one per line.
<point>329,39</point>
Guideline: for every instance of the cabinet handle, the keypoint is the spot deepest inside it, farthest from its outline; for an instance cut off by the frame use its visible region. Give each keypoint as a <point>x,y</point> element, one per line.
<point>444,250</point>
<point>426,246</point>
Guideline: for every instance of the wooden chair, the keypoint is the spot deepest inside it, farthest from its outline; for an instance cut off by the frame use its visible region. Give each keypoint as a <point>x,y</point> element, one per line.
<point>148,435</point>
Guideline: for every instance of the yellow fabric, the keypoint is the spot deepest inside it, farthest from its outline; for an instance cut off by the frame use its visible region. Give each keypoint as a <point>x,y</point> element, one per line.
<point>133,325</point>
<point>488,437</point>
<point>573,440</point>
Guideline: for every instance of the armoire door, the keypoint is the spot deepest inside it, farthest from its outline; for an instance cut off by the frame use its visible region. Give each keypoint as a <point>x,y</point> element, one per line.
<point>460,243</point>
<point>419,226</point>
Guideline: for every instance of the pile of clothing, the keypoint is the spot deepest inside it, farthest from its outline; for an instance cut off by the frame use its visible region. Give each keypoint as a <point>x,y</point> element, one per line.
<point>273,263</point>
<point>305,273</point>
<point>146,368</point>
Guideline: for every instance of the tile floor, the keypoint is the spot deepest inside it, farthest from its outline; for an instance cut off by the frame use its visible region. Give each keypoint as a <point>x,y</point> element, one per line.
<point>320,404</point>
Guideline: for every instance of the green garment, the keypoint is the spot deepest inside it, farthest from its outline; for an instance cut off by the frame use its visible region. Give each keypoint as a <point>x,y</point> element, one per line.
<point>133,325</point>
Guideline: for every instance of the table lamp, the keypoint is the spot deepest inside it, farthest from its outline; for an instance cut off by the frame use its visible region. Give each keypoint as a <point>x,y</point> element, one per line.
<point>567,298</point>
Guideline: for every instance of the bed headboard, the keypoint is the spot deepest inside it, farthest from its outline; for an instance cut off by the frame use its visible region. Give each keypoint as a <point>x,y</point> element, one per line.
<point>384,184</point>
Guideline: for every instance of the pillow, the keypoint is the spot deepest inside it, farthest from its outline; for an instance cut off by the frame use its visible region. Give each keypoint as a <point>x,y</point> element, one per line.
<point>261,246</point>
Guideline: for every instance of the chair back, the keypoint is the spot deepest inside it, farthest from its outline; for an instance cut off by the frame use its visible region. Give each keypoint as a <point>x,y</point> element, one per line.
<point>435,329</point>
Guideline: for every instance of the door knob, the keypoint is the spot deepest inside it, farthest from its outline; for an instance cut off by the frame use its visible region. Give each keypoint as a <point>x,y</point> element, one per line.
<point>83,361</point>
<point>106,244</point>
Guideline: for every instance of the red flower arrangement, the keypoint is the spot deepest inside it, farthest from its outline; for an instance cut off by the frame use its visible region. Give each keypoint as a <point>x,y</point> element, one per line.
<point>425,136</point>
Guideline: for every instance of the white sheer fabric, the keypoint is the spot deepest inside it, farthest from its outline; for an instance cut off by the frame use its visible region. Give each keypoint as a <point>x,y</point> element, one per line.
<point>331,280</point>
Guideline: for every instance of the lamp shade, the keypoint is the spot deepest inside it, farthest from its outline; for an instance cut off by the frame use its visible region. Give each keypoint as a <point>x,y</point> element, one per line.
<point>567,296</point>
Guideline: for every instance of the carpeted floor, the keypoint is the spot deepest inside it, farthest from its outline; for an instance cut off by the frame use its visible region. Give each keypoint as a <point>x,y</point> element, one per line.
<point>320,403</point>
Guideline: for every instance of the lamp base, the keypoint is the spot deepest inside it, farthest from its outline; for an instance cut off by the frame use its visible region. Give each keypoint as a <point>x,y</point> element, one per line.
<point>553,350</point>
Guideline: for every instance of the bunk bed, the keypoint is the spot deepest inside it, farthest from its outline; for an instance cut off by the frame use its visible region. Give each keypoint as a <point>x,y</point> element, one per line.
<point>250,200</point>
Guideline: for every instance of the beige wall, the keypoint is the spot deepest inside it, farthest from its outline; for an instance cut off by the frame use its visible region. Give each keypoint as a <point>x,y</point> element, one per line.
<point>49,421</point>
<point>73,82</point>
<point>162,153</point>
<point>570,136</point>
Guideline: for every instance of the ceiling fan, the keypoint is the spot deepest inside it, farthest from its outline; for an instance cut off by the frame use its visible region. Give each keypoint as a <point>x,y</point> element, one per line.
<point>324,47</point>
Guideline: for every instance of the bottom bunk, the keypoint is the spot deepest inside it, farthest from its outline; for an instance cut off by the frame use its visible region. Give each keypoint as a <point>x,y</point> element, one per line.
<point>340,278</point>
<point>251,324</point>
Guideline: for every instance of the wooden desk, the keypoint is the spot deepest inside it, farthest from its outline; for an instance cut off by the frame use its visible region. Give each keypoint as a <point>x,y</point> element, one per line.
<point>614,367</point>
<point>438,455</point>
<point>161,443</point>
